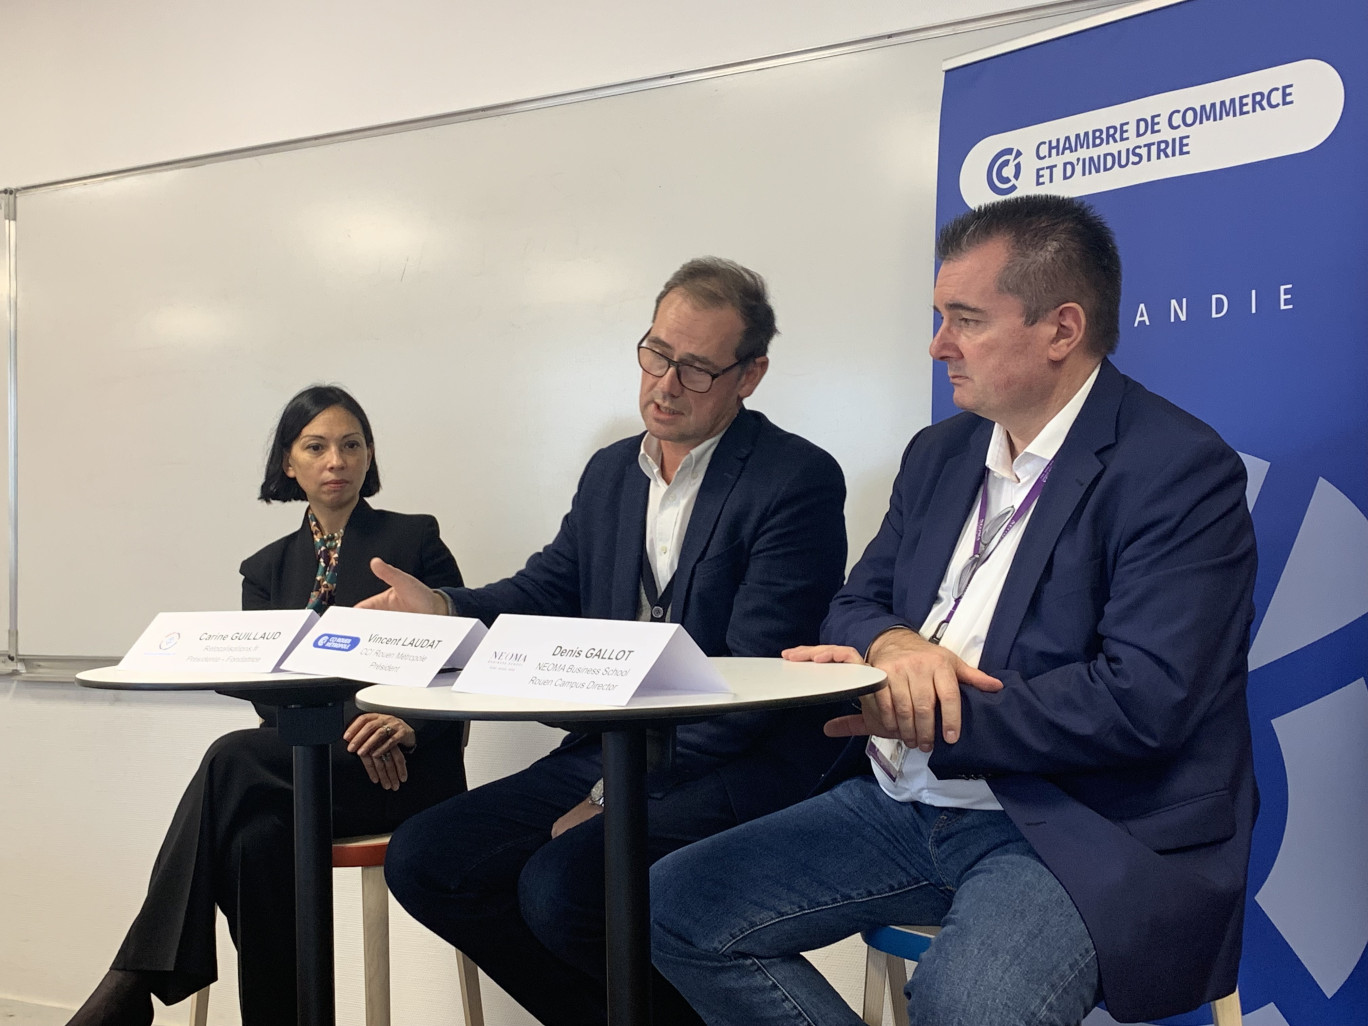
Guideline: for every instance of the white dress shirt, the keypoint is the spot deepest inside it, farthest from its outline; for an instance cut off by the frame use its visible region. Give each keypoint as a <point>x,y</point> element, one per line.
<point>670,505</point>
<point>1008,481</point>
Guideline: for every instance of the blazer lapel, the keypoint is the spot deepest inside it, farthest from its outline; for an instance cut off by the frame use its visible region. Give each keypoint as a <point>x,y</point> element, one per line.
<point>298,568</point>
<point>724,470</point>
<point>354,578</point>
<point>958,484</point>
<point>1076,466</point>
<point>631,543</point>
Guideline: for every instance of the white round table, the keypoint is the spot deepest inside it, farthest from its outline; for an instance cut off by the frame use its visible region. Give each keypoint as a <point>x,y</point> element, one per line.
<point>754,683</point>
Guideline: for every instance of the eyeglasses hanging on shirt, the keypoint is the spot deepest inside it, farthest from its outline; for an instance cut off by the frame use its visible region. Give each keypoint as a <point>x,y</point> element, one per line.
<point>988,535</point>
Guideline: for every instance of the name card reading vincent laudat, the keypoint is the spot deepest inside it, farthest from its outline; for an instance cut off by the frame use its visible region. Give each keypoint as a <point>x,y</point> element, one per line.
<point>233,641</point>
<point>383,647</point>
<point>603,662</point>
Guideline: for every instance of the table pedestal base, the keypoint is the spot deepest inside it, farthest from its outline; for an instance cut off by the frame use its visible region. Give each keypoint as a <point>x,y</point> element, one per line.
<point>311,730</point>
<point>627,905</point>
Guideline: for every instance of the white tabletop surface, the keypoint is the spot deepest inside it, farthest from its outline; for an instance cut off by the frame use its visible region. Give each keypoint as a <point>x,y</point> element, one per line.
<point>754,683</point>
<point>117,678</point>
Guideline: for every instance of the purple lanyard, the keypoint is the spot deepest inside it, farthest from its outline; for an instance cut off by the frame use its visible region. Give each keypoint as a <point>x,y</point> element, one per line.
<point>998,532</point>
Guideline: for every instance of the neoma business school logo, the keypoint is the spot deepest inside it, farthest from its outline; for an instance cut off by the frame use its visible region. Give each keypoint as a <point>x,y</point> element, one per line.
<point>1286,109</point>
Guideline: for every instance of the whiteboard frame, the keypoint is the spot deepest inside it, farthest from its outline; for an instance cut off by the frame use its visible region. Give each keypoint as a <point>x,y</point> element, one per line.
<point>948,28</point>
<point>9,202</point>
<point>59,667</point>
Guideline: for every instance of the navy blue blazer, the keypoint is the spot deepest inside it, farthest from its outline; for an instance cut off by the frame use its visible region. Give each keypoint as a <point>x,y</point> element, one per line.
<point>1120,743</point>
<point>764,551</point>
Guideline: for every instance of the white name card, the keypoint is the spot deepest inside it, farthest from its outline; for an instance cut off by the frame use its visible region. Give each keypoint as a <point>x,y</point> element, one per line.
<point>383,647</point>
<point>603,662</point>
<point>252,641</point>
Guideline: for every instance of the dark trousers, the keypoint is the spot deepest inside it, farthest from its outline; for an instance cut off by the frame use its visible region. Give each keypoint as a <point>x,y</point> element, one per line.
<point>482,871</point>
<point>231,845</point>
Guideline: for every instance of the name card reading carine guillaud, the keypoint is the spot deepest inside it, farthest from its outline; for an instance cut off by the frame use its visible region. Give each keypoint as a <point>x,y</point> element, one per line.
<point>604,662</point>
<point>383,647</point>
<point>233,641</point>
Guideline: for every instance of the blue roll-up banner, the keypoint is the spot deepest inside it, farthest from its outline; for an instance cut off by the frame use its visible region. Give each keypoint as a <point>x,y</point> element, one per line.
<point>1226,143</point>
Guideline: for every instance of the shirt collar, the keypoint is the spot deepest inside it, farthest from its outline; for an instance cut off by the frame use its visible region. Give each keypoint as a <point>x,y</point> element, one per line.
<point>1044,446</point>
<point>694,463</point>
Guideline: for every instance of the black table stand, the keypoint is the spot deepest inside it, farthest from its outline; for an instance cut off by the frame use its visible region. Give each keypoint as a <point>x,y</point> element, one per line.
<point>310,720</point>
<point>311,730</point>
<point>629,753</point>
<point>627,902</point>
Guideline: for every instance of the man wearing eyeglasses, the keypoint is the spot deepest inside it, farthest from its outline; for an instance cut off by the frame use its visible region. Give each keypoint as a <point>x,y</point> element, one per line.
<point>715,519</point>
<point>1059,770</point>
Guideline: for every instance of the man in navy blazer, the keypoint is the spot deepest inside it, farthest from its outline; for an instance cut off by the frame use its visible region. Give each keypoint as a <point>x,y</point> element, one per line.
<point>737,529</point>
<point>1060,770</point>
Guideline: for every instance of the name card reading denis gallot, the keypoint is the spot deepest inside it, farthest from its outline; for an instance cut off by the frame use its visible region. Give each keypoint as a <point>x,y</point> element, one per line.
<point>383,647</point>
<point>233,641</point>
<point>603,662</point>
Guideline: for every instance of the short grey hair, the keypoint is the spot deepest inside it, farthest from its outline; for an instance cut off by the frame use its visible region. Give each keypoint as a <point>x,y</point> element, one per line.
<point>712,282</point>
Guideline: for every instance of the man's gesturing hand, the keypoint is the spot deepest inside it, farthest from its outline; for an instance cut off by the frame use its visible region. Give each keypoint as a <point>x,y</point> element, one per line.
<point>405,594</point>
<point>921,677</point>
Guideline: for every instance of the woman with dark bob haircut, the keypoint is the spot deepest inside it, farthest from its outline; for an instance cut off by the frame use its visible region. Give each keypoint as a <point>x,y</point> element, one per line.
<point>231,841</point>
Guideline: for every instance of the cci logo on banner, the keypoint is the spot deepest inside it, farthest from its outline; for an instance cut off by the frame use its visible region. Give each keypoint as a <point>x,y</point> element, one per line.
<point>1264,114</point>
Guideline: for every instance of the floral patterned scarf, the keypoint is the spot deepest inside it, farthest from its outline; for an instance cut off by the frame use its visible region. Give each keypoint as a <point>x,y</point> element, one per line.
<point>327,547</point>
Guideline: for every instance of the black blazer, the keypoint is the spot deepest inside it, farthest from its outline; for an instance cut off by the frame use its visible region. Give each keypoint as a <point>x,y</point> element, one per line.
<point>282,575</point>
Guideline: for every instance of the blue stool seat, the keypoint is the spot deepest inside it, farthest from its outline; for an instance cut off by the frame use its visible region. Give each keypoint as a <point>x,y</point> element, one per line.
<point>907,942</point>
<point>892,946</point>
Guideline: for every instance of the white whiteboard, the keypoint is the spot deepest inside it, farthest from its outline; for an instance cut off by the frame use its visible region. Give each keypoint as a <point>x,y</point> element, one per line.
<point>479,287</point>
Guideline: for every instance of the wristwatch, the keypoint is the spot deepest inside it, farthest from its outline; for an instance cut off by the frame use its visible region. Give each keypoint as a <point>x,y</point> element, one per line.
<point>596,793</point>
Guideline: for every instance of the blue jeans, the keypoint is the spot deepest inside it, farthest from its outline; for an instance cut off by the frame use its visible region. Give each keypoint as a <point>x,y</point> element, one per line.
<point>733,912</point>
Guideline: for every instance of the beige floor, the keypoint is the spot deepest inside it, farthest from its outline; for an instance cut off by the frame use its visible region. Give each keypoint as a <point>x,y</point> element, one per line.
<point>16,1013</point>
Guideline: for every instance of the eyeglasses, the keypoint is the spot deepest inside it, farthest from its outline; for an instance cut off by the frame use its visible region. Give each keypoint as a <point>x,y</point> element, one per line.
<point>983,548</point>
<point>692,377</point>
<point>982,551</point>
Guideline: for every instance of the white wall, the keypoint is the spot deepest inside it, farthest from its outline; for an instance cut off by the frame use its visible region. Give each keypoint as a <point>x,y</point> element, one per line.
<point>91,87</point>
<point>90,779</point>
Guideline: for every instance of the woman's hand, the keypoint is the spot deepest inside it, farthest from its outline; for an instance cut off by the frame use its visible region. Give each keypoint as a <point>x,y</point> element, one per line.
<point>388,770</point>
<point>379,740</point>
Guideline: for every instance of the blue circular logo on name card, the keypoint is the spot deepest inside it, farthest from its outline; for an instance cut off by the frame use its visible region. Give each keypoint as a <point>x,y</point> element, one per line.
<point>169,642</point>
<point>336,642</point>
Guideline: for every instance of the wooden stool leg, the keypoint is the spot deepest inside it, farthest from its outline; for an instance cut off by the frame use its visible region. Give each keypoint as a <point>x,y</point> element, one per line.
<point>469,977</point>
<point>897,978</point>
<point>876,976</point>
<point>199,1008</point>
<point>1226,1011</point>
<point>375,942</point>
